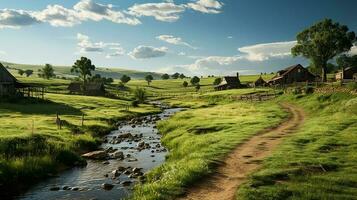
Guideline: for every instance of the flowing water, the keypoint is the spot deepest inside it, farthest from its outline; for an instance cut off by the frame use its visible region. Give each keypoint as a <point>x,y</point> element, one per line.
<point>86,182</point>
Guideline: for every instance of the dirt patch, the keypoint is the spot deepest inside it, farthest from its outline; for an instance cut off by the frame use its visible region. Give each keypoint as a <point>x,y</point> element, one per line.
<point>244,160</point>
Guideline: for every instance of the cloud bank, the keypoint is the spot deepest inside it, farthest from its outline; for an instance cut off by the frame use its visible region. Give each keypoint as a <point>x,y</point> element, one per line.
<point>174,40</point>
<point>145,52</point>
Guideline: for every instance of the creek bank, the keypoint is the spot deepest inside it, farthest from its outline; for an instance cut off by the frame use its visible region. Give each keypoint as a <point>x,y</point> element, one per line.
<point>121,161</point>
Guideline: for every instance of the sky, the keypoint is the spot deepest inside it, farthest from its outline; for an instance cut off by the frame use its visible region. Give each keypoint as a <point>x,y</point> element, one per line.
<point>194,37</point>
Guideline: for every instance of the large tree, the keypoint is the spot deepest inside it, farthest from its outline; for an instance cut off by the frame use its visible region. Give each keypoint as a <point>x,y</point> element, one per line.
<point>322,42</point>
<point>46,72</point>
<point>125,79</point>
<point>149,78</point>
<point>84,68</point>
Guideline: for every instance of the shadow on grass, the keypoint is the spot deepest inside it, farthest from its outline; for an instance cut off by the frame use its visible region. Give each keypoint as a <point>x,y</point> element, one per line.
<point>38,106</point>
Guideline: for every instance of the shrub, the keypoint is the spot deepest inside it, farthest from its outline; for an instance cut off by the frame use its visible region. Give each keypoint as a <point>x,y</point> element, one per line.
<point>140,95</point>
<point>352,86</point>
<point>296,90</point>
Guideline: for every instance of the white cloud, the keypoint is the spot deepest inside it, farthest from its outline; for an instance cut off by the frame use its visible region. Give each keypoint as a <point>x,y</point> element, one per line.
<point>253,59</point>
<point>353,50</point>
<point>174,40</point>
<point>206,6</point>
<point>89,10</point>
<point>57,15</point>
<point>261,52</point>
<point>10,18</point>
<point>144,52</point>
<point>166,11</point>
<point>85,45</point>
<point>118,51</point>
<point>3,53</point>
<point>229,37</point>
<point>181,53</point>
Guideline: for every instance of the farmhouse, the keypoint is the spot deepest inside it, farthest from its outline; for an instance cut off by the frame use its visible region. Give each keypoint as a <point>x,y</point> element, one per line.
<point>92,88</point>
<point>292,74</point>
<point>349,73</point>
<point>10,86</point>
<point>229,82</point>
<point>260,82</point>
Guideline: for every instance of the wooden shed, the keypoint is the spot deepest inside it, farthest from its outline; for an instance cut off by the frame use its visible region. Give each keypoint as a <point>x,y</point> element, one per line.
<point>7,82</point>
<point>292,74</point>
<point>260,82</point>
<point>229,82</point>
<point>91,88</point>
<point>348,73</point>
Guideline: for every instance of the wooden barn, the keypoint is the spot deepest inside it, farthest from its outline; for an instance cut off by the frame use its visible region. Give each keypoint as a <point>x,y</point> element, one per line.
<point>10,86</point>
<point>348,74</point>
<point>229,82</point>
<point>260,82</point>
<point>292,74</point>
<point>91,88</point>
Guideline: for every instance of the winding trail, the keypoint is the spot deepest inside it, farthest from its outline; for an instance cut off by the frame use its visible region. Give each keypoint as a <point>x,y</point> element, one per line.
<point>244,160</point>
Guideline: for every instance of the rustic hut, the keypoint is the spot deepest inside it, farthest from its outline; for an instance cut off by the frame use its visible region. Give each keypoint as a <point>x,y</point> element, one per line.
<point>348,73</point>
<point>7,82</point>
<point>10,86</point>
<point>229,82</point>
<point>292,74</point>
<point>260,82</point>
<point>91,88</point>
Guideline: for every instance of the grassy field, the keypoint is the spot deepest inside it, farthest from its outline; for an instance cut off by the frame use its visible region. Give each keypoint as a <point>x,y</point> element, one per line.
<point>65,71</point>
<point>32,146</point>
<point>198,138</point>
<point>317,162</point>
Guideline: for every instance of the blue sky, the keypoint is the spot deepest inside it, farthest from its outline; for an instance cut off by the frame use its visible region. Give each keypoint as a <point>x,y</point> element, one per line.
<point>190,36</point>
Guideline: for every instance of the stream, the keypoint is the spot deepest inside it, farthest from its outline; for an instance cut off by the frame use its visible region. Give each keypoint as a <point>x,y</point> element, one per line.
<point>141,149</point>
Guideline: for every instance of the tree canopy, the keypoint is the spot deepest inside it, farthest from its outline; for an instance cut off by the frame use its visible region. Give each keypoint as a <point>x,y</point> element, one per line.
<point>149,78</point>
<point>217,81</point>
<point>20,72</point>
<point>345,61</point>
<point>322,42</point>
<point>28,72</point>
<point>84,67</point>
<point>125,79</point>
<point>165,76</point>
<point>46,72</point>
<point>182,76</point>
<point>175,75</point>
<point>195,80</point>
<point>185,84</point>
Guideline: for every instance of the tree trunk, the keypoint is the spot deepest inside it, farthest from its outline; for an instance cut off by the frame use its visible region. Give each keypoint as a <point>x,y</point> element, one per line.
<point>324,72</point>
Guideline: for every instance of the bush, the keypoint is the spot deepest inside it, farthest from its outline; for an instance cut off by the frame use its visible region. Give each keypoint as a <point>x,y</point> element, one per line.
<point>140,95</point>
<point>135,103</point>
<point>296,90</point>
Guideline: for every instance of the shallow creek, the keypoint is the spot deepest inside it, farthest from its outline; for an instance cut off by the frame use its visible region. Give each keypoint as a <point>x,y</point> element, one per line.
<point>87,182</point>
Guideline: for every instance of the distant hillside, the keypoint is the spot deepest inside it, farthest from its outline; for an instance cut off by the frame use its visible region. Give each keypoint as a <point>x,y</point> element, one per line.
<point>65,71</point>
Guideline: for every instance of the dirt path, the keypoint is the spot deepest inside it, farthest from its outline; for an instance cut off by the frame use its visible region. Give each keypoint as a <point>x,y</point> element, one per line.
<point>244,160</point>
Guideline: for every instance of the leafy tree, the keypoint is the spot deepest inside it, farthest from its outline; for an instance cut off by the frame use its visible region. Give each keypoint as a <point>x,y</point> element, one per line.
<point>125,79</point>
<point>165,76</point>
<point>21,72</point>
<point>46,72</point>
<point>149,78</point>
<point>28,72</point>
<point>84,67</point>
<point>217,81</point>
<point>322,42</point>
<point>140,95</point>
<point>99,79</point>
<point>175,75</point>
<point>182,76</point>
<point>185,84</point>
<point>195,80</point>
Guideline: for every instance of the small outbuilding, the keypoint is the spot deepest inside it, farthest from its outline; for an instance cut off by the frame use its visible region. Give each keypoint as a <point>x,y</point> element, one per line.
<point>292,74</point>
<point>348,74</point>
<point>91,88</point>
<point>260,82</point>
<point>229,82</point>
<point>10,86</point>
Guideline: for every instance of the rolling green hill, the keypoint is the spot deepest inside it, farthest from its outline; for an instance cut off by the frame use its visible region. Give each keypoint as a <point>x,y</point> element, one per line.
<point>65,71</point>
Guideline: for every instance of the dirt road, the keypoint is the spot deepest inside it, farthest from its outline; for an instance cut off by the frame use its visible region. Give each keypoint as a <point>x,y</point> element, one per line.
<point>244,160</point>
